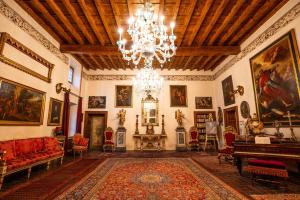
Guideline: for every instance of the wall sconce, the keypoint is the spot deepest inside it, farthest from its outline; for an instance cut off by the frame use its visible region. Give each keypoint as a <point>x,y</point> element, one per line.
<point>60,88</point>
<point>240,90</point>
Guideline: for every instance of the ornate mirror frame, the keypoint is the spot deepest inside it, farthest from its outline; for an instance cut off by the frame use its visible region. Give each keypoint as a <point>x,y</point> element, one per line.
<point>150,111</point>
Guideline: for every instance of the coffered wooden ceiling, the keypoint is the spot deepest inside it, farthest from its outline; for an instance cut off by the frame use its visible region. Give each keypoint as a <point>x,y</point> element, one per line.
<point>207,30</point>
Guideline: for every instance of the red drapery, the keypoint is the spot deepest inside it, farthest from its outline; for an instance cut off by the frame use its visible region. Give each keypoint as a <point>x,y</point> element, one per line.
<point>79,116</point>
<point>66,118</point>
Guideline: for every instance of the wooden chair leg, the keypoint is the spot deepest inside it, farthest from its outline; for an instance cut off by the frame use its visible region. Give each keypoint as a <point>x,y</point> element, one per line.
<point>61,160</point>
<point>29,172</point>
<point>205,145</point>
<point>48,165</point>
<point>1,180</point>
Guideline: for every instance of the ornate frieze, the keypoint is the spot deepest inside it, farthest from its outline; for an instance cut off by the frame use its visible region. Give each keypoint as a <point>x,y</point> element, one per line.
<point>14,17</point>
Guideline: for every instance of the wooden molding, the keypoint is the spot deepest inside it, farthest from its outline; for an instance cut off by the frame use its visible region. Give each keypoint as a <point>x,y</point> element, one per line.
<point>6,38</point>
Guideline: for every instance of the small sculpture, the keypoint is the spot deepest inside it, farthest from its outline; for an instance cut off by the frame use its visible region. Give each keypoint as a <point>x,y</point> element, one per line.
<point>179,116</point>
<point>121,116</point>
<point>277,125</point>
<point>289,116</point>
<point>254,126</point>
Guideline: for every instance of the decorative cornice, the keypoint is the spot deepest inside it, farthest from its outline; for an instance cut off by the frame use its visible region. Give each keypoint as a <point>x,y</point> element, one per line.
<point>166,77</point>
<point>291,15</point>
<point>14,17</point>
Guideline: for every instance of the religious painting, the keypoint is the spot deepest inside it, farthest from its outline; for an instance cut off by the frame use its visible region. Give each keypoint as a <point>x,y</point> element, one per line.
<point>97,102</point>
<point>245,109</point>
<point>55,112</point>
<point>227,87</point>
<point>20,104</point>
<point>275,76</point>
<point>123,95</point>
<point>178,95</point>
<point>203,102</point>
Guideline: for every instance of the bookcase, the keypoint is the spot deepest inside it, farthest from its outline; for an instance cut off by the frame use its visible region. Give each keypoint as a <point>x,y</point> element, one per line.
<point>200,117</point>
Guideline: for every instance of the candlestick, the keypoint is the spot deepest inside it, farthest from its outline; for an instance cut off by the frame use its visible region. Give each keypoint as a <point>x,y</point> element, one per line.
<point>163,132</point>
<point>137,125</point>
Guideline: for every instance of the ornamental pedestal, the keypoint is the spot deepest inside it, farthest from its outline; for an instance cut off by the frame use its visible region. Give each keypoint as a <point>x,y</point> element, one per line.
<point>180,137</point>
<point>121,139</point>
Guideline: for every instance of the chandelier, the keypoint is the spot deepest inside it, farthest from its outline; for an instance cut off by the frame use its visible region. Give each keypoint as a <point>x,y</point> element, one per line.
<point>149,38</point>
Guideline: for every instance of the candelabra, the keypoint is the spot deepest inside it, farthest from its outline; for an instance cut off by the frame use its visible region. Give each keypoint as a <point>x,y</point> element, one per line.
<point>163,132</point>
<point>137,125</point>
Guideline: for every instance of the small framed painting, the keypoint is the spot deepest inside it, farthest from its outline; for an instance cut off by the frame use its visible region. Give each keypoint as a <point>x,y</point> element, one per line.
<point>124,96</point>
<point>97,102</point>
<point>178,95</point>
<point>55,112</point>
<point>203,102</point>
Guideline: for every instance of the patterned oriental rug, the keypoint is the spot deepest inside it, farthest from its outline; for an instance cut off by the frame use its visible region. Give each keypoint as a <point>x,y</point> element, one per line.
<point>155,178</point>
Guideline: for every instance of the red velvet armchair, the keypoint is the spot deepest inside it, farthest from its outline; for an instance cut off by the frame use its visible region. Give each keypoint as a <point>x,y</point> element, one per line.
<point>227,151</point>
<point>108,139</point>
<point>194,142</point>
<point>80,144</point>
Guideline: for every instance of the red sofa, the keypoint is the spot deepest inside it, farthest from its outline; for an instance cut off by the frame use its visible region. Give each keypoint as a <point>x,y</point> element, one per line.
<point>17,155</point>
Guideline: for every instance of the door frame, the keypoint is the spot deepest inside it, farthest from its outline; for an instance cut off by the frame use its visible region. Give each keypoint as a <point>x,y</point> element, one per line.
<point>86,132</point>
<point>233,108</point>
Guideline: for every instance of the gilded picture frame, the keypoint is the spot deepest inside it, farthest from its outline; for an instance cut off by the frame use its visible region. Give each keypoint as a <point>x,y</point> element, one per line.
<point>178,96</point>
<point>55,112</point>
<point>275,78</point>
<point>97,102</point>
<point>20,104</point>
<point>203,102</point>
<point>124,96</point>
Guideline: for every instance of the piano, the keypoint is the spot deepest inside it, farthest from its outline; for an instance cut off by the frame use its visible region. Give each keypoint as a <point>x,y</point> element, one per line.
<point>285,151</point>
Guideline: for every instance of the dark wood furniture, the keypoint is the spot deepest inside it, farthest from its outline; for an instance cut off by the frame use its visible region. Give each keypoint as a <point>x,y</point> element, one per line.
<point>286,151</point>
<point>200,117</point>
<point>231,117</point>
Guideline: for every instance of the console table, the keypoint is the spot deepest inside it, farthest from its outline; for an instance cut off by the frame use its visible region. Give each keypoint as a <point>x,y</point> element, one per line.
<point>149,142</point>
<point>287,151</point>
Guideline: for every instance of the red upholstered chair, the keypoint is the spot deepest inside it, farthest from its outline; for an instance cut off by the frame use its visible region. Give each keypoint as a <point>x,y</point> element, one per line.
<point>194,142</point>
<point>227,150</point>
<point>108,139</point>
<point>80,144</point>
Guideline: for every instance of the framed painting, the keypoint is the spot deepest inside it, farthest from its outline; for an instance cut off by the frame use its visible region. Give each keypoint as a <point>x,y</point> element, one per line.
<point>227,87</point>
<point>124,96</point>
<point>55,112</point>
<point>203,102</point>
<point>97,102</point>
<point>20,104</point>
<point>178,95</point>
<point>275,77</point>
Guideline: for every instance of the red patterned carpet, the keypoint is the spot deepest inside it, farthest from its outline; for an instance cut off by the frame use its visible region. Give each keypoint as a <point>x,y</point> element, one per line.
<point>155,178</point>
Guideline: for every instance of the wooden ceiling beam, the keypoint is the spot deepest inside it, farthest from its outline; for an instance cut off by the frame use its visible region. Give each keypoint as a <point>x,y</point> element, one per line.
<point>39,6</point>
<point>229,17</point>
<point>82,62</point>
<point>66,21</point>
<point>90,65</point>
<point>222,58</point>
<point>39,20</point>
<point>107,66</point>
<point>130,7</point>
<point>212,62</point>
<point>87,12</point>
<point>199,22</point>
<point>186,21</point>
<point>177,6</point>
<point>104,19</point>
<point>181,51</point>
<point>237,23</point>
<point>78,21</point>
<point>204,33</point>
<point>161,7</point>
<point>98,64</point>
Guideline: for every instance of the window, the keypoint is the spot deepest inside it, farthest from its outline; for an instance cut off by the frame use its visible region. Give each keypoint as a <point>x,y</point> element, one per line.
<point>71,74</point>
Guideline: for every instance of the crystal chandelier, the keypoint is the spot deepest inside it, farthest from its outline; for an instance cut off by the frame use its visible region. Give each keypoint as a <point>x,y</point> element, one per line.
<point>149,38</point>
<point>147,80</point>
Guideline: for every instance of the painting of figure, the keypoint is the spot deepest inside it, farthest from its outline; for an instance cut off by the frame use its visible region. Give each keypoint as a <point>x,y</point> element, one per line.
<point>20,104</point>
<point>203,102</point>
<point>55,112</point>
<point>178,95</point>
<point>275,76</point>
<point>227,87</point>
<point>97,102</point>
<point>123,95</point>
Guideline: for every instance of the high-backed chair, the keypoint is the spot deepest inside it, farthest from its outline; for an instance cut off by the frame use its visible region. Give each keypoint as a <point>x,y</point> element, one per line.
<point>80,144</point>
<point>227,150</point>
<point>211,130</point>
<point>194,142</point>
<point>108,139</point>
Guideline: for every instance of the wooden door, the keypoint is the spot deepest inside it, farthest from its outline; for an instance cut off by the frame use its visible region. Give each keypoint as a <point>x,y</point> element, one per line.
<point>231,117</point>
<point>94,126</point>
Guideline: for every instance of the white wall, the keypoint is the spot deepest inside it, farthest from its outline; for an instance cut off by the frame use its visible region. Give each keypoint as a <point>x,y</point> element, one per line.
<point>59,74</point>
<point>241,73</point>
<point>107,88</point>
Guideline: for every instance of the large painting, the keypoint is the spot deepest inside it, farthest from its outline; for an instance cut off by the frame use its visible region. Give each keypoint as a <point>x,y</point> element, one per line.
<point>227,87</point>
<point>97,102</point>
<point>275,75</point>
<point>55,112</point>
<point>203,102</point>
<point>20,104</point>
<point>123,95</point>
<point>178,95</point>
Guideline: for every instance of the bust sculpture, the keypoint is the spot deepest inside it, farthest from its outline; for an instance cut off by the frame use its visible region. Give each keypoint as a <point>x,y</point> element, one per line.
<point>254,125</point>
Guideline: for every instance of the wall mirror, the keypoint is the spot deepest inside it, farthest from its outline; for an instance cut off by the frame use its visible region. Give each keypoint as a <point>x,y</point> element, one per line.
<point>149,111</point>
